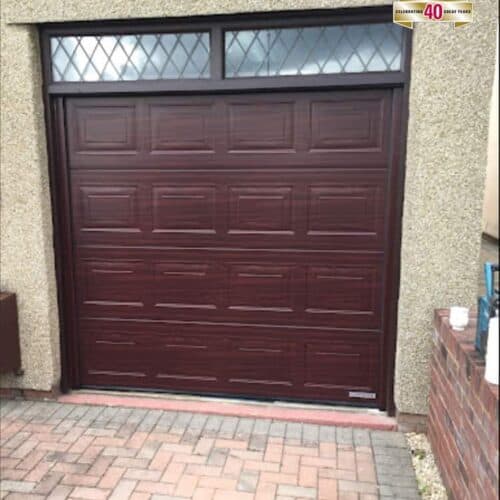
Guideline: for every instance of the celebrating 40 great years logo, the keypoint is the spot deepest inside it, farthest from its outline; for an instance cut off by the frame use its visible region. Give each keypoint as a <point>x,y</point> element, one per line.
<point>446,11</point>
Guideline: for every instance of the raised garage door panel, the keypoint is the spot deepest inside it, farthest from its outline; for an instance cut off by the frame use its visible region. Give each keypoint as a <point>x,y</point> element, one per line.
<point>320,129</point>
<point>276,287</point>
<point>232,244</point>
<point>285,208</point>
<point>254,360</point>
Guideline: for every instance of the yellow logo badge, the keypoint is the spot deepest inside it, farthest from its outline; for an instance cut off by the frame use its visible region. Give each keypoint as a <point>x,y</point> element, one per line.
<point>447,11</point>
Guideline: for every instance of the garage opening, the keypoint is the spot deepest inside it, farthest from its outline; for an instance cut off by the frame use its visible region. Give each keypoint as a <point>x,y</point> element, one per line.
<point>227,196</point>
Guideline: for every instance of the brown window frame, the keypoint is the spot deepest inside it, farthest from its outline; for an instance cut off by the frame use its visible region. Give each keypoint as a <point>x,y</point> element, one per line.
<point>217,26</point>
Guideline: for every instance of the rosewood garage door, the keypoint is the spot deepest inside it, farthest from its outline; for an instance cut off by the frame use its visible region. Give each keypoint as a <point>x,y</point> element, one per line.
<point>232,243</point>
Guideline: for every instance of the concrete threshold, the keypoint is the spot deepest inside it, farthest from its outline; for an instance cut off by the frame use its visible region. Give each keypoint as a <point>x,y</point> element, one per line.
<point>339,416</point>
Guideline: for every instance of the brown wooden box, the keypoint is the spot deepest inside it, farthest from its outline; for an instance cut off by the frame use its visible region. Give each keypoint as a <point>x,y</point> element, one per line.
<point>10,354</point>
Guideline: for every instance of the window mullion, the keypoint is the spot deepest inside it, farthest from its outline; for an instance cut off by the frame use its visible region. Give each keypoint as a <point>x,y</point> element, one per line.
<point>217,49</point>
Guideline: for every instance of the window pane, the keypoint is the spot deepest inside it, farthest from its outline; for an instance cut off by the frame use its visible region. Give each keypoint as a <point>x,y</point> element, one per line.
<point>313,50</point>
<point>130,57</point>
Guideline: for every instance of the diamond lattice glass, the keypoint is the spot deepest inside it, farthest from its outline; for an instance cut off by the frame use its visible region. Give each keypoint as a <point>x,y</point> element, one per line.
<point>130,57</point>
<point>313,50</point>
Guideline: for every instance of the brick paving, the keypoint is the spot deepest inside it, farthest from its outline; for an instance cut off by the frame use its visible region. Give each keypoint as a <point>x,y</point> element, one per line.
<point>63,451</point>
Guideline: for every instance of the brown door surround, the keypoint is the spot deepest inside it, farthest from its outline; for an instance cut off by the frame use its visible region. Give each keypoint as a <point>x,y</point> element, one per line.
<point>232,244</point>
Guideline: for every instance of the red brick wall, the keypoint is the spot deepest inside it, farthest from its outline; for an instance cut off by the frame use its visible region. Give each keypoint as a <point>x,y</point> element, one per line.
<point>463,415</point>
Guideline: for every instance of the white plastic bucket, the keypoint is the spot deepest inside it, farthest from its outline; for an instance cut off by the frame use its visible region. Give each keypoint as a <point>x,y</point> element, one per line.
<point>491,372</point>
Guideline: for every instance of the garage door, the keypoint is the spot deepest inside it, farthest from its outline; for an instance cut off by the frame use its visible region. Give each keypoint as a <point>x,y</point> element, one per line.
<point>232,243</point>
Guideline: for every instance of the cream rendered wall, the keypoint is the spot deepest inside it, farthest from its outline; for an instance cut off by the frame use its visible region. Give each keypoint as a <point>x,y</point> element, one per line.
<point>452,71</point>
<point>26,255</point>
<point>490,209</point>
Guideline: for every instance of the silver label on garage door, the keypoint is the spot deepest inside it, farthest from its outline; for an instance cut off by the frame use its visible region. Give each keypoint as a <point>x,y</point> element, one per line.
<point>363,395</point>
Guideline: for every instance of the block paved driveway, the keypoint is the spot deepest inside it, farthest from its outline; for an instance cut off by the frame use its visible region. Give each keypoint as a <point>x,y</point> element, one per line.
<point>59,451</point>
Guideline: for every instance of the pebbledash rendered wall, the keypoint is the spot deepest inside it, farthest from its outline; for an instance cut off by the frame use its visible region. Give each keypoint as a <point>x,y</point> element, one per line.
<point>452,71</point>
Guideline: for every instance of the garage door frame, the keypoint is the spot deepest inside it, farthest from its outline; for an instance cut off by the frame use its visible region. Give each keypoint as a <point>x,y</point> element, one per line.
<point>54,94</point>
